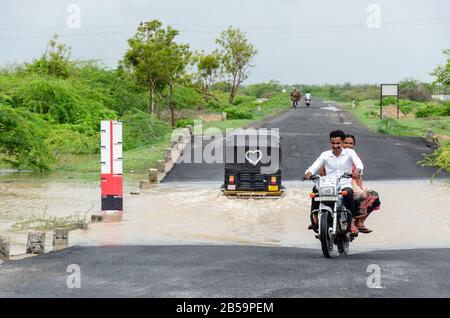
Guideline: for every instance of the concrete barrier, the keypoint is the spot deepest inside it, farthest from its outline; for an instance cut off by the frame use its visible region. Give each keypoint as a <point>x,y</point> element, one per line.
<point>35,243</point>
<point>144,184</point>
<point>167,154</point>
<point>96,218</point>
<point>160,166</point>
<point>4,249</point>
<point>60,239</point>
<point>153,175</point>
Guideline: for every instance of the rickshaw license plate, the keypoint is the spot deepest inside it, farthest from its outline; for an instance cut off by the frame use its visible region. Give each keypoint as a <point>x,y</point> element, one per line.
<point>273,188</point>
<point>231,187</point>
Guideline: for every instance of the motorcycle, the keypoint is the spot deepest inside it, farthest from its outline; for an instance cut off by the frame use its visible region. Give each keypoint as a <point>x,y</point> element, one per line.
<point>307,102</point>
<point>334,219</point>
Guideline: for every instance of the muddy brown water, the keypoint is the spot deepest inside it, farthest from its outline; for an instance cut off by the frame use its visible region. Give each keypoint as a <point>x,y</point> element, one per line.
<point>414,213</point>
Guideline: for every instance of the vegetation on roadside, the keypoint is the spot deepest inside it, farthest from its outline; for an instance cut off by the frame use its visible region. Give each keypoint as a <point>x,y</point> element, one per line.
<point>35,223</point>
<point>440,158</point>
<point>51,108</point>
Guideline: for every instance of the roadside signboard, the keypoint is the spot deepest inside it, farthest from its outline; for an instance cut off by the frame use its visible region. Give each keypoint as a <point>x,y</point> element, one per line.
<point>388,90</point>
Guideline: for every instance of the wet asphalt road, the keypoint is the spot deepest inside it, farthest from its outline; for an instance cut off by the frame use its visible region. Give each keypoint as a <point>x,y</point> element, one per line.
<point>227,271</point>
<point>241,271</point>
<point>304,134</point>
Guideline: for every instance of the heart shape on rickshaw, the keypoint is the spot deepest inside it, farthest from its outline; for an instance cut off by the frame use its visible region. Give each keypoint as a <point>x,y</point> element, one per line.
<point>253,156</point>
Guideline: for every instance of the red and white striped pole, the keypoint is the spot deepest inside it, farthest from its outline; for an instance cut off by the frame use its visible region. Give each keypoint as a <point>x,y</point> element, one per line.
<point>111,167</point>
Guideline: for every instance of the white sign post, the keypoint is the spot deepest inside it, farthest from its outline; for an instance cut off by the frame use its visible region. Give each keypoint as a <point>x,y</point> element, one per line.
<point>388,90</point>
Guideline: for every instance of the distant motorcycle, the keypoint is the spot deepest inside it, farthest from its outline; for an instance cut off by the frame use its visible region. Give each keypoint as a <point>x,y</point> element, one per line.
<point>307,102</point>
<point>334,220</point>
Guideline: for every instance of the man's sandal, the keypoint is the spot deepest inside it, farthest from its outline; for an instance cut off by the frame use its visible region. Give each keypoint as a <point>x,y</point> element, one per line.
<point>364,230</point>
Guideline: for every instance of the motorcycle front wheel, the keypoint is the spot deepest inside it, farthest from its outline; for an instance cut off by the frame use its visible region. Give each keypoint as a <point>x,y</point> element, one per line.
<point>343,245</point>
<point>325,240</point>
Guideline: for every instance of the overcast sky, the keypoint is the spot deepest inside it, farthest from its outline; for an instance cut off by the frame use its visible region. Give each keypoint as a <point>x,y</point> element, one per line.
<point>298,41</point>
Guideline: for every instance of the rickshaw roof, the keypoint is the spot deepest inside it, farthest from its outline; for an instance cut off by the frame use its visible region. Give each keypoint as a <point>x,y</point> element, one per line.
<point>238,139</point>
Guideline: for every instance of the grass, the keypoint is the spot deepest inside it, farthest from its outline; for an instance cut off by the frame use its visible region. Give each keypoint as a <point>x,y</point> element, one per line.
<point>36,223</point>
<point>367,112</point>
<point>266,109</point>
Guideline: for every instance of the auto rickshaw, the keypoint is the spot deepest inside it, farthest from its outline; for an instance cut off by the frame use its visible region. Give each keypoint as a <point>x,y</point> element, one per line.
<point>253,164</point>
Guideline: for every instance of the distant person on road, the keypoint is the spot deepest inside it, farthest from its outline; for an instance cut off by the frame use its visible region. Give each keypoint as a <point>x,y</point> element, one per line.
<point>295,97</point>
<point>307,99</point>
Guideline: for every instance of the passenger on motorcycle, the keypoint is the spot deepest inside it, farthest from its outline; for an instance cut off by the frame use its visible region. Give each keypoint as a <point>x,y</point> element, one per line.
<point>366,200</point>
<point>336,162</point>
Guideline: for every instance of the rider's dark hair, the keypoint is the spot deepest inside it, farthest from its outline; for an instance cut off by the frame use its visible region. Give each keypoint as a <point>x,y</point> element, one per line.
<point>337,134</point>
<point>353,137</point>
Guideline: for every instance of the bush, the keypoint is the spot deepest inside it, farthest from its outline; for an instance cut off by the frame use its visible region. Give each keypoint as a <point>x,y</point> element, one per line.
<point>62,101</point>
<point>183,122</point>
<point>54,62</point>
<point>66,139</point>
<point>440,158</point>
<point>238,113</point>
<point>388,126</point>
<point>389,100</point>
<point>185,98</point>
<point>240,99</point>
<point>215,105</point>
<point>140,128</point>
<point>406,106</point>
<point>414,90</point>
<point>262,90</point>
<point>22,139</point>
<point>430,110</point>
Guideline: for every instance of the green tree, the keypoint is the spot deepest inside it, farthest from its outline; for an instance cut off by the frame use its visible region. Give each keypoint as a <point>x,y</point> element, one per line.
<point>177,59</point>
<point>147,56</point>
<point>237,55</point>
<point>442,72</point>
<point>208,69</point>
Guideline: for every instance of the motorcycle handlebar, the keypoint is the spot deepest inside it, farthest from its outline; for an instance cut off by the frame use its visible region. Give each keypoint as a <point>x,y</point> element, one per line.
<point>315,177</point>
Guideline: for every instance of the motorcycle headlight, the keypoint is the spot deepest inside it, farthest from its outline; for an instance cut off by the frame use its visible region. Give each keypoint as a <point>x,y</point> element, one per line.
<point>326,191</point>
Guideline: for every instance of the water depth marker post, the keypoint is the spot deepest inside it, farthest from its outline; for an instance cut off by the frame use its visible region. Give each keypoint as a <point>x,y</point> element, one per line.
<point>111,167</point>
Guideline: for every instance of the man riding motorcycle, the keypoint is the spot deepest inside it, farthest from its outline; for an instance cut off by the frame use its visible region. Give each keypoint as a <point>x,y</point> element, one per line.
<point>336,162</point>
<point>296,95</point>
<point>307,99</point>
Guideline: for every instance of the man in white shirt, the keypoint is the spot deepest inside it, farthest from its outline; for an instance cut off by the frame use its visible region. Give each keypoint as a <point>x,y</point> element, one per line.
<point>337,161</point>
<point>308,96</point>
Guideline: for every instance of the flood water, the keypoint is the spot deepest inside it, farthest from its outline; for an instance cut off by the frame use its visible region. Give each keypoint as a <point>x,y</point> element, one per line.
<point>413,214</point>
